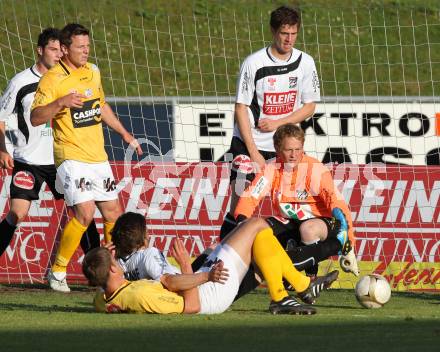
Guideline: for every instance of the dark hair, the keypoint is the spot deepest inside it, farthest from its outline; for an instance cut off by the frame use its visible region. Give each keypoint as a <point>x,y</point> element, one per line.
<point>70,30</point>
<point>287,130</point>
<point>128,234</point>
<point>96,266</point>
<point>284,15</point>
<point>47,35</point>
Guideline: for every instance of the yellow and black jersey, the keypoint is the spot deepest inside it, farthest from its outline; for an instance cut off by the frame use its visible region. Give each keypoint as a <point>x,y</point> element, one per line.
<point>142,296</point>
<point>77,132</point>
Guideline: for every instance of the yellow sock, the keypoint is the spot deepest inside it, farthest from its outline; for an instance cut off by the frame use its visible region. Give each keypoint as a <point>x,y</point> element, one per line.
<point>70,239</point>
<point>275,264</point>
<point>299,281</point>
<point>108,227</point>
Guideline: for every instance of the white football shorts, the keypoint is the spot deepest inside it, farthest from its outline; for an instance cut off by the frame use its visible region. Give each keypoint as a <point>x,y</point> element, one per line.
<point>214,297</point>
<point>81,182</point>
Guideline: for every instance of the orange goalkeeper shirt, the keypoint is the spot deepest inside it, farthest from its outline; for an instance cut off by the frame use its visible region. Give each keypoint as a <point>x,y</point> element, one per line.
<point>305,192</point>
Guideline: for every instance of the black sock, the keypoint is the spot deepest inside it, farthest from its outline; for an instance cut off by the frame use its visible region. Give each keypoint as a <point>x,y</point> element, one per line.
<point>6,234</point>
<point>90,238</point>
<point>313,269</point>
<point>228,225</point>
<point>305,257</point>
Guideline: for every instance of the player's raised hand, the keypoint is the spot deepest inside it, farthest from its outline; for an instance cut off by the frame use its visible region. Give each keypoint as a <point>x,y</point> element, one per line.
<point>180,253</point>
<point>6,161</point>
<point>111,247</point>
<point>72,100</point>
<point>218,273</point>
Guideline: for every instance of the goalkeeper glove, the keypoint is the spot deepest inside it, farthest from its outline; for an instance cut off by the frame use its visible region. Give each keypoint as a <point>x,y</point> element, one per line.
<point>342,235</point>
<point>349,263</point>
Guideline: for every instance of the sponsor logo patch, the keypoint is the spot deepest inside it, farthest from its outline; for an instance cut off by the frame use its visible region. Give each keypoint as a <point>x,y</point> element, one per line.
<point>88,115</point>
<point>109,185</point>
<point>83,184</point>
<point>279,103</point>
<point>292,211</point>
<point>245,83</point>
<point>24,180</point>
<point>315,81</point>
<point>66,182</point>
<point>301,194</point>
<point>7,98</point>
<point>259,187</point>
<point>39,98</point>
<point>292,82</point>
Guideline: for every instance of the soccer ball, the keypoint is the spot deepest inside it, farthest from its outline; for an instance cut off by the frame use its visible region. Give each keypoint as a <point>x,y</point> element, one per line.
<point>372,291</point>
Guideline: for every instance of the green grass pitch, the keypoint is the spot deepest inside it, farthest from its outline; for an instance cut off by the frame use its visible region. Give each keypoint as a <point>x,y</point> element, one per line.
<point>32,318</point>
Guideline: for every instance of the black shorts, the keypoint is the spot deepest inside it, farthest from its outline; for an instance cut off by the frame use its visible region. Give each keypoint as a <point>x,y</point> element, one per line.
<point>289,230</point>
<point>27,180</point>
<point>241,161</point>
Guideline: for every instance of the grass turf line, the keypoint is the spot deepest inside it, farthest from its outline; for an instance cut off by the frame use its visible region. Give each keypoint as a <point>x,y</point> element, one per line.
<point>40,320</point>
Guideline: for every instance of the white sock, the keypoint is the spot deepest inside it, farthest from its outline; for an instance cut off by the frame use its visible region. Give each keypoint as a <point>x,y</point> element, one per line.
<point>59,275</point>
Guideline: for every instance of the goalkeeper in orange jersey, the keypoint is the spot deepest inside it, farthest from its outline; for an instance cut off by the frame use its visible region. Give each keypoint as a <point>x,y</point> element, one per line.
<point>308,208</point>
<point>212,289</point>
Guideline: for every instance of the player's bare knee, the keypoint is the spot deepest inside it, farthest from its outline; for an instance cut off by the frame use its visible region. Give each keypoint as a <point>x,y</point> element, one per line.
<point>258,224</point>
<point>84,219</point>
<point>313,230</point>
<point>18,211</point>
<point>309,234</point>
<point>111,214</point>
<point>84,213</point>
<point>14,218</point>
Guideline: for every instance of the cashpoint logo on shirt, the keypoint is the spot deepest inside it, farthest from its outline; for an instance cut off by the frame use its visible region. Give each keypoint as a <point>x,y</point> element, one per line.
<point>88,115</point>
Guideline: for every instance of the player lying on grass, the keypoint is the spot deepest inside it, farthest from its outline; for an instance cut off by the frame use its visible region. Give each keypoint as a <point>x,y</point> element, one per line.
<point>211,289</point>
<point>308,207</point>
<point>139,261</point>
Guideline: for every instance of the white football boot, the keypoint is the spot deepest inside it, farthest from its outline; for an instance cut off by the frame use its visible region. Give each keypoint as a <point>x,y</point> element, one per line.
<point>56,284</point>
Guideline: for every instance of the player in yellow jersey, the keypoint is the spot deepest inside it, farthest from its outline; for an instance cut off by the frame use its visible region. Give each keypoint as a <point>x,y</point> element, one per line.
<point>70,95</point>
<point>214,286</point>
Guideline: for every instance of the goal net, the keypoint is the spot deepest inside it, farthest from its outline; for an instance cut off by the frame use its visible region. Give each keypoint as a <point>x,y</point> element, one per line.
<point>169,70</point>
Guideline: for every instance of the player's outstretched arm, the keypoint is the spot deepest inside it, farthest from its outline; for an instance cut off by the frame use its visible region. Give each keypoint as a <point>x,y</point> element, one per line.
<point>44,113</point>
<point>181,282</point>
<point>109,117</point>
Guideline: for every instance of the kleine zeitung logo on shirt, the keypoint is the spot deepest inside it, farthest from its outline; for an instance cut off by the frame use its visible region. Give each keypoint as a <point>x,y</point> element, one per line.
<point>279,103</point>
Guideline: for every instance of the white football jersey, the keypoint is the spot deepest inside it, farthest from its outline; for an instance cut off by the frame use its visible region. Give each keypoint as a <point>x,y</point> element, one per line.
<point>273,89</point>
<point>147,263</point>
<point>32,145</point>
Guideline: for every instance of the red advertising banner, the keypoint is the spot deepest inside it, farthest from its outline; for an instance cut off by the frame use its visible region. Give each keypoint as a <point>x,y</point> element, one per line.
<point>394,208</point>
